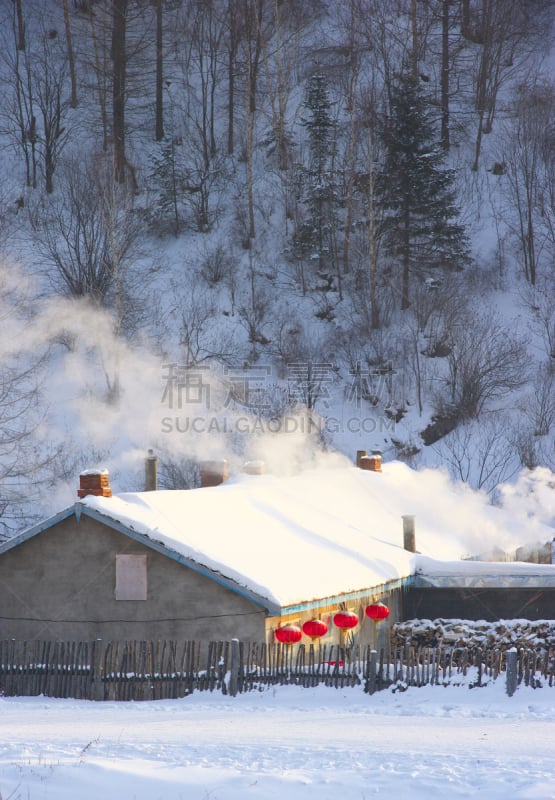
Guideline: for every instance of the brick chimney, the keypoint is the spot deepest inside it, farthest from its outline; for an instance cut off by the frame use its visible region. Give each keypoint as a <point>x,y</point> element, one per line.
<point>361,454</point>
<point>95,482</point>
<point>371,463</point>
<point>213,473</point>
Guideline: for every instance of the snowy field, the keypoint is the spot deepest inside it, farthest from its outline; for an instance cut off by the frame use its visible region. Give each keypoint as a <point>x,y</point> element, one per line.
<point>285,742</point>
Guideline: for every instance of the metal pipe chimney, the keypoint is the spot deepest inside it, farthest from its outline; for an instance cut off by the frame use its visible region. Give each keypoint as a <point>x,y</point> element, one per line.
<point>151,472</point>
<point>409,533</point>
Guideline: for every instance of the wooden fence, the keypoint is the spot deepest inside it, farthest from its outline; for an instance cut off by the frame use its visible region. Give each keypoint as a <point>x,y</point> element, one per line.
<point>156,670</point>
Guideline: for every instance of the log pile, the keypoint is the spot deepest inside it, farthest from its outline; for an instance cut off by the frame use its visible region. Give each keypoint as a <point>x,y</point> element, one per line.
<point>536,634</point>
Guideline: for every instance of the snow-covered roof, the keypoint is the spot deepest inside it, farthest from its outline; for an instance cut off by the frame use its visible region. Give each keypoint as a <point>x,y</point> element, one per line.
<point>326,532</point>
<point>335,531</point>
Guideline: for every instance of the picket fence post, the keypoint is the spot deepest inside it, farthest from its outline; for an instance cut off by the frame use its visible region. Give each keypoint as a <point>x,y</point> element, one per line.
<point>511,671</point>
<point>371,684</point>
<point>234,668</point>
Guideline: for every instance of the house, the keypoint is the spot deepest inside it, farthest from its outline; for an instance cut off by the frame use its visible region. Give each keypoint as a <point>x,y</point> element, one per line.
<point>245,555</point>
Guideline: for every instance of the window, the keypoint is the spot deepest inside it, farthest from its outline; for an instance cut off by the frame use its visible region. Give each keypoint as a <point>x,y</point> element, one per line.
<point>131,581</point>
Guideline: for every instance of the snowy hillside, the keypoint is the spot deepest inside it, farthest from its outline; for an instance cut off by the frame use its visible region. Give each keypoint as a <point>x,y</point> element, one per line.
<point>253,230</point>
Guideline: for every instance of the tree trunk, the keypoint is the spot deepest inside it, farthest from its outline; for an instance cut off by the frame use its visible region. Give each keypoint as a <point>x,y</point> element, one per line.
<point>351,163</point>
<point>445,75</point>
<point>70,57</point>
<point>230,103</point>
<point>478,144</point>
<point>465,19</point>
<point>20,27</point>
<point>414,54</point>
<point>405,301</point>
<point>49,166</point>
<point>99,83</point>
<point>374,311</point>
<point>253,30</point>
<point>250,180</point>
<point>118,92</point>
<point>231,55</point>
<point>159,73</point>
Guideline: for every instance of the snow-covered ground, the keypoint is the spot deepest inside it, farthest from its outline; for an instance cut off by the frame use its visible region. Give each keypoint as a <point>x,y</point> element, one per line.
<point>303,744</point>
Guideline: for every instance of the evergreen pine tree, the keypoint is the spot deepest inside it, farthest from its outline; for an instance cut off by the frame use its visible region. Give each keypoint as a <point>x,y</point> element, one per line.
<point>167,177</point>
<point>417,191</point>
<point>313,236</point>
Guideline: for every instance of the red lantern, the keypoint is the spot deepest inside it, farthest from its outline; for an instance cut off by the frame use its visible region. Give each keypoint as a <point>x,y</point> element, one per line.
<point>346,620</point>
<point>315,628</point>
<point>288,634</point>
<point>377,611</point>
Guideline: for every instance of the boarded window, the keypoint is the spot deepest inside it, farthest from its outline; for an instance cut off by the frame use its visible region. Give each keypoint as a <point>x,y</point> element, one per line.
<point>131,581</point>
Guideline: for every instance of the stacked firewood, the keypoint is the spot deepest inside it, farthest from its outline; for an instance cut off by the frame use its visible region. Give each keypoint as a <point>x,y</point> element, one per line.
<point>536,634</point>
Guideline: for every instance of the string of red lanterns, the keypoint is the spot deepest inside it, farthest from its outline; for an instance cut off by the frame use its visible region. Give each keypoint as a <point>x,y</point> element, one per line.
<point>316,628</point>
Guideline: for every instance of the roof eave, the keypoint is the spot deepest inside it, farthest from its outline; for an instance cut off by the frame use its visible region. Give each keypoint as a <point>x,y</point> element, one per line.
<point>528,581</point>
<point>349,597</point>
<point>34,530</point>
<point>267,604</point>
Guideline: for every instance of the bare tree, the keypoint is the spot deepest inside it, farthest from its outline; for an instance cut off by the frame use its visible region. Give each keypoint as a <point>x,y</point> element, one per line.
<point>527,158</point>
<point>541,405</point>
<point>49,73</point>
<point>280,56</point>
<point>98,67</point>
<point>485,362</point>
<point>201,179</point>
<point>37,107</point>
<point>481,456</point>
<point>498,29</point>
<point>194,312</point>
<point>542,304</point>
<point>88,234</point>
<point>19,111</point>
<point>253,308</point>
<point>359,107</point>
<point>25,458</point>
<point>123,55</point>
<point>205,29</point>
<point>177,471</point>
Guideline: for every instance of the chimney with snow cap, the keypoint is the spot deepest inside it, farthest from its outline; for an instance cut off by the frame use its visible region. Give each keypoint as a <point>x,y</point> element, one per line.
<point>371,463</point>
<point>254,467</point>
<point>95,482</point>
<point>213,473</point>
